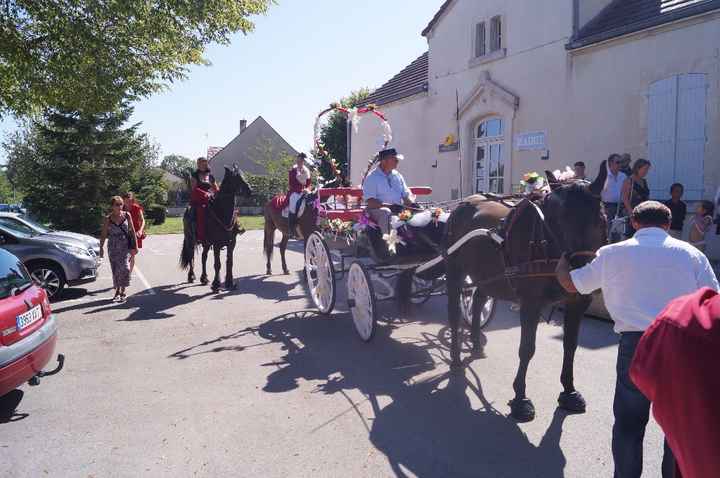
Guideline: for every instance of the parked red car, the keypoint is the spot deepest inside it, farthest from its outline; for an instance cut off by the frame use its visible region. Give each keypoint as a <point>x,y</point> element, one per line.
<point>28,329</point>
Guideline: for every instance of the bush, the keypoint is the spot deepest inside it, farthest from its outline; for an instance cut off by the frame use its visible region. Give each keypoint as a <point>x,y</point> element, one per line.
<point>156,213</point>
<point>264,188</point>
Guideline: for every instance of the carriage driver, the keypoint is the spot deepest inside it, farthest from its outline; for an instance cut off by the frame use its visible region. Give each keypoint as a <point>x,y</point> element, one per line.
<point>384,188</point>
<point>298,183</point>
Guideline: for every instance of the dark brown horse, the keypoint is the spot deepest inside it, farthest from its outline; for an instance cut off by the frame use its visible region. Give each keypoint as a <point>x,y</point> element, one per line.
<point>221,230</point>
<point>521,268</point>
<point>274,220</point>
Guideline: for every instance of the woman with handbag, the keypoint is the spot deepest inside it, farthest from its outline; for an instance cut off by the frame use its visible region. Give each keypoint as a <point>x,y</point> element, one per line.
<point>120,233</point>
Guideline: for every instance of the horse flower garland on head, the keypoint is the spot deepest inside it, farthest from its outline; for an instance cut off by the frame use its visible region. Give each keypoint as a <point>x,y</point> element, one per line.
<point>566,175</point>
<point>532,182</point>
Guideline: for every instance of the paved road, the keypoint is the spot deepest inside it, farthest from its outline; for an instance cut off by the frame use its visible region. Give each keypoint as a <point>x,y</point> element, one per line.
<point>180,382</point>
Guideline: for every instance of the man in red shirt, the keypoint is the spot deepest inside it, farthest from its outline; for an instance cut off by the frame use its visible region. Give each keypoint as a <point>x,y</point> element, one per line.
<point>676,367</point>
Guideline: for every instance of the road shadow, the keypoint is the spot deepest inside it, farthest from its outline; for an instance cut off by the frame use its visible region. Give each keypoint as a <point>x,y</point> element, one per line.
<point>264,287</point>
<point>431,427</point>
<point>144,305</point>
<point>8,407</point>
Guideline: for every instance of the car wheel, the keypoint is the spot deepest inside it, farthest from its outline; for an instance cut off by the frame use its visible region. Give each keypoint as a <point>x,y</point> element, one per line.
<point>49,277</point>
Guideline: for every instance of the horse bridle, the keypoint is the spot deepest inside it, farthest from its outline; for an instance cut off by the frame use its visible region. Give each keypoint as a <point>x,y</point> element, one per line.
<point>534,268</point>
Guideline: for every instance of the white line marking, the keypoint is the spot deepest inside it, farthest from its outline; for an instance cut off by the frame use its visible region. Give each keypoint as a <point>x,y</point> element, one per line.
<point>145,282</point>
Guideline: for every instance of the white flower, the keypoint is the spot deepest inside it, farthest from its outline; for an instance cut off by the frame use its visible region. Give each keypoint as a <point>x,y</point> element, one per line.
<point>393,240</point>
<point>566,175</point>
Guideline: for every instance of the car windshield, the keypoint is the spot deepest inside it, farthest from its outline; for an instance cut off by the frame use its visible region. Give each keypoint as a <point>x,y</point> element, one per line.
<point>13,276</point>
<point>16,228</point>
<point>41,228</point>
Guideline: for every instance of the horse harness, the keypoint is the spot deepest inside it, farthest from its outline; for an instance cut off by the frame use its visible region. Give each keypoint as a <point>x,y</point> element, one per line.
<point>539,265</point>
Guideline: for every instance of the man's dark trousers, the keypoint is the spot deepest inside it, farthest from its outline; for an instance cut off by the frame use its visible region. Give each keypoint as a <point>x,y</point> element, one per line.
<point>632,412</point>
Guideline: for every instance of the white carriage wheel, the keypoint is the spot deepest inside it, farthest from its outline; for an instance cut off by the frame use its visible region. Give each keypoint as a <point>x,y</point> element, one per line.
<point>471,303</point>
<point>320,273</point>
<point>361,300</point>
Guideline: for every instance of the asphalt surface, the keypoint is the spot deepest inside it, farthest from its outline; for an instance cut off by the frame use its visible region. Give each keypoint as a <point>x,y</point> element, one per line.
<point>182,382</point>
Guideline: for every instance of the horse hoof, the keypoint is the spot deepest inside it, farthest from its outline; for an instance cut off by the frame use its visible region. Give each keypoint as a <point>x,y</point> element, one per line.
<point>522,409</point>
<point>204,281</point>
<point>286,272</point>
<point>572,402</point>
<point>191,279</point>
<point>268,272</point>
<point>230,286</point>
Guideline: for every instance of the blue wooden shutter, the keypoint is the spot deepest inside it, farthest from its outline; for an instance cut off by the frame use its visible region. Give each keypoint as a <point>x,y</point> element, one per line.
<point>662,125</point>
<point>690,156</point>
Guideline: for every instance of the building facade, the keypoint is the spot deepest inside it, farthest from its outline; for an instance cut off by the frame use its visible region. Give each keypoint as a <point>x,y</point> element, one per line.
<point>512,87</point>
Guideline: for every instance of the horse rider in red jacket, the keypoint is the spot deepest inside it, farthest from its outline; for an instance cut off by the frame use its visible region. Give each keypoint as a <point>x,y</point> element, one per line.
<point>202,187</point>
<point>298,184</point>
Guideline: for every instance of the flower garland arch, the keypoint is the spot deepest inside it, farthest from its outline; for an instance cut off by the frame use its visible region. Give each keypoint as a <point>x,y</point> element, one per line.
<point>354,115</point>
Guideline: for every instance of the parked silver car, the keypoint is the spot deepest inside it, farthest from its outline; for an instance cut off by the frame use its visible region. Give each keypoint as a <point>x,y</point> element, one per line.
<point>53,261</point>
<point>25,223</point>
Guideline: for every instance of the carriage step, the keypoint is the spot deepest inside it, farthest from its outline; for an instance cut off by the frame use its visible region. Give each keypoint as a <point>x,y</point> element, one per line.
<point>351,303</point>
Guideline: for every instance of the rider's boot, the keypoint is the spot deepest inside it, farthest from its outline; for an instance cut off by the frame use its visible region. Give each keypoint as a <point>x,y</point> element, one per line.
<point>292,225</point>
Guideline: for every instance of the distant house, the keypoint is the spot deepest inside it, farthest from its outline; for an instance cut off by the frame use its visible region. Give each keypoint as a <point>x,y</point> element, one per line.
<point>176,187</point>
<point>256,144</point>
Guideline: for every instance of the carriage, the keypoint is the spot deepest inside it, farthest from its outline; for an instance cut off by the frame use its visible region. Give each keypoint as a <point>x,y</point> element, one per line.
<point>331,256</point>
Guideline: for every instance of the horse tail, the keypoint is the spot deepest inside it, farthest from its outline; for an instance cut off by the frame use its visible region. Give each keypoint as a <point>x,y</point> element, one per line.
<point>187,254</point>
<point>269,236</point>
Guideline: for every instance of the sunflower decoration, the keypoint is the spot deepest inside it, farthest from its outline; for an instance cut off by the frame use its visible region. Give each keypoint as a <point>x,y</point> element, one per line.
<point>532,182</point>
<point>405,215</point>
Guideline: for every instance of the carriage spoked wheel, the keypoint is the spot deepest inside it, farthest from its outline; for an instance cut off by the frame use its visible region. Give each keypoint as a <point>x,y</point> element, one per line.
<point>320,273</point>
<point>361,301</point>
<point>472,303</point>
<point>421,290</point>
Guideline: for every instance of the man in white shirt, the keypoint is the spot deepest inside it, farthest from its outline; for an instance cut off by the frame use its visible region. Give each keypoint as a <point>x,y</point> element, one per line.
<point>638,278</point>
<point>385,187</point>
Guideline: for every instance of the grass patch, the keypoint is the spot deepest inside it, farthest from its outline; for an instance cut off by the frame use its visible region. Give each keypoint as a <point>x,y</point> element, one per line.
<point>174,225</point>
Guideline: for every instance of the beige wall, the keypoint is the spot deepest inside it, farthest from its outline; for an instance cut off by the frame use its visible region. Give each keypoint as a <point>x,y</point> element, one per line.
<point>590,103</point>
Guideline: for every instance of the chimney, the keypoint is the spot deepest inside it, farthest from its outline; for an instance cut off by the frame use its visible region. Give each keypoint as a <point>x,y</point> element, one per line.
<point>243,125</point>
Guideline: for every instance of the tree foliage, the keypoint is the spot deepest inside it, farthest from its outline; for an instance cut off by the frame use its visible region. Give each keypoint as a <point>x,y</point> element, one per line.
<point>89,55</point>
<point>69,165</point>
<point>177,164</point>
<point>334,135</point>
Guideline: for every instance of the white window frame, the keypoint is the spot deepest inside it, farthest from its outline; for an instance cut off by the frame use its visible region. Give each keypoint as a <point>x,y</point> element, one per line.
<point>487,142</point>
<point>493,40</point>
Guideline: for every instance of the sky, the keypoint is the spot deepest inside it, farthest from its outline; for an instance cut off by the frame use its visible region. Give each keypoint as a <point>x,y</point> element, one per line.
<point>302,56</point>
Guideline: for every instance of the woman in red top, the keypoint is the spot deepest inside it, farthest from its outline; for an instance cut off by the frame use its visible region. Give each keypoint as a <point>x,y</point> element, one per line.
<point>138,217</point>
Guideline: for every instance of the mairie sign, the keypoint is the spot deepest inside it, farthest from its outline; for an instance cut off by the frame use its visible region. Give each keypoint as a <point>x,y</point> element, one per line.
<point>534,141</point>
<point>450,144</point>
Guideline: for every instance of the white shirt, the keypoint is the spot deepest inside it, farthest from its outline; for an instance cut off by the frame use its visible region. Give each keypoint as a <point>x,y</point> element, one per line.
<point>639,276</point>
<point>613,187</point>
<point>302,174</point>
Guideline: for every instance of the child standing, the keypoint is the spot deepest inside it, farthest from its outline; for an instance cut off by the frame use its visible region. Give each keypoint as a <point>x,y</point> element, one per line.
<point>700,224</point>
<point>678,208</point>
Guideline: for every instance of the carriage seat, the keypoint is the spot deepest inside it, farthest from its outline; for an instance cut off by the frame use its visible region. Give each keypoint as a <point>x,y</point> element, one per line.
<point>335,210</point>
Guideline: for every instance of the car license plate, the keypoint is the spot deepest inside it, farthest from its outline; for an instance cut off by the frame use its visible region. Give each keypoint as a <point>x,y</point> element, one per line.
<point>29,317</point>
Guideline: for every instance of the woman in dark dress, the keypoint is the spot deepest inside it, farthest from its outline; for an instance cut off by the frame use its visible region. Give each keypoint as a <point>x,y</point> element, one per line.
<point>202,187</point>
<point>635,190</point>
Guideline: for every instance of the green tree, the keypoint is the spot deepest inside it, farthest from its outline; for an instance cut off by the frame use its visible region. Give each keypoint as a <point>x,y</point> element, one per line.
<point>68,165</point>
<point>7,191</point>
<point>177,164</point>
<point>333,135</point>
<point>89,55</point>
